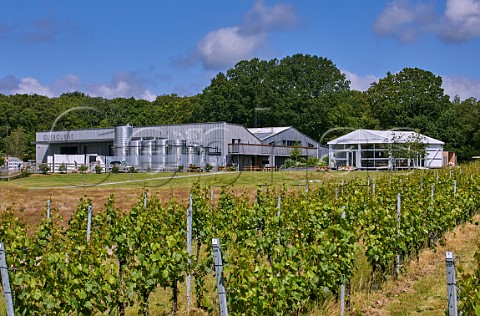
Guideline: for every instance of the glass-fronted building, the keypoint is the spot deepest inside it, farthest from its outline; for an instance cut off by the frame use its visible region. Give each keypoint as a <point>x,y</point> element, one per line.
<point>391,149</point>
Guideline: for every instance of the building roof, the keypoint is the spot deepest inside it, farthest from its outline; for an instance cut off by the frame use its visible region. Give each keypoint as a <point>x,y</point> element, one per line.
<point>13,159</point>
<point>263,133</point>
<point>367,136</point>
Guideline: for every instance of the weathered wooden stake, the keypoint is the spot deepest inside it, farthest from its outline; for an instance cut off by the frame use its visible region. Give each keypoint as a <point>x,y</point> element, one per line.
<point>189,249</point>
<point>451,284</point>
<point>48,209</point>
<point>89,222</point>
<point>7,292</point>
<point>399,209</point>
<point>217,261</point>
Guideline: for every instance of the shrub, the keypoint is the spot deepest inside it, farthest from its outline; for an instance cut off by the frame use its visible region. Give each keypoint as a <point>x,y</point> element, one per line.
<point>44,168</point>
<point>82,168</point>
<point>98,169</point>
<point>62,168</point>
<point>312,161</point>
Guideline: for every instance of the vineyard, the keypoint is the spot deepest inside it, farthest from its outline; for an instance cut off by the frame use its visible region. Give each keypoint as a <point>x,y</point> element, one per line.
<point>284,250</point>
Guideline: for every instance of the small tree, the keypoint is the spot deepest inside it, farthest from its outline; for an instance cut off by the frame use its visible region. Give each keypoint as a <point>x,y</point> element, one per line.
<point>296,153</point>
<point>16,143</point>
<point>410,148</point>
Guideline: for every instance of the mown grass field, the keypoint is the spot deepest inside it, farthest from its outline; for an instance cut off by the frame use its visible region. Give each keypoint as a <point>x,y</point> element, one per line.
<point>29,195</point>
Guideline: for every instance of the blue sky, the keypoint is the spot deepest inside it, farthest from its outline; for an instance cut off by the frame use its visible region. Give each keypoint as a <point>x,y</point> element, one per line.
<point>152,47</point>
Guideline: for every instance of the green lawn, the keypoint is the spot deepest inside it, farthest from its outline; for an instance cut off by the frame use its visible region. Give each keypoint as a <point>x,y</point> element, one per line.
<point>179,180</point>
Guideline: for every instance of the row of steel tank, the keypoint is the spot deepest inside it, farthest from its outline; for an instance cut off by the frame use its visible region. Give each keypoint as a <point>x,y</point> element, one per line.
<point>157,153</point>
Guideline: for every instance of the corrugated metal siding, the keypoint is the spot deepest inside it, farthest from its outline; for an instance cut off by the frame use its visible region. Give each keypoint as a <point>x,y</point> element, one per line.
<point>217,136</point>
<point>293,135</point>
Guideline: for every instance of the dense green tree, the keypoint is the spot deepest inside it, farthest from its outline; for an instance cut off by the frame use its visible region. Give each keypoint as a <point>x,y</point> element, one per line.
<point>412,98</point>
<point>460,128</point>
<point>240,95</point>
<point>299,90</point>
<point>16,143</point>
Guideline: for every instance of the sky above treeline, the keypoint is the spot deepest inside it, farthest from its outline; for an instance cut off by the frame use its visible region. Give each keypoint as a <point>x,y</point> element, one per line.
<point>146,48</point>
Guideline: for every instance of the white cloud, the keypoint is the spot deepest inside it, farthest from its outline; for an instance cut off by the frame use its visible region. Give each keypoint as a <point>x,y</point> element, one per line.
<point>463,87</point>
<point>224,47</point>
<point>263,18</point>
<point>358,82</point>
<point>122,85</point>
<point>393,17</point>
<point>462,20</point>
<point>405,20</point>
<point>32,86</point>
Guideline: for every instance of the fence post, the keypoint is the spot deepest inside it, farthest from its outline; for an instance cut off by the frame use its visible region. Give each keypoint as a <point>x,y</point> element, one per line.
<point>48,209</point>
<point>89,222</point>
<point>342,286</point>
<point>189,250</point>
<point>5,281</point>
<point>217,261</point>
<point>433,191</point>
<point>342,299</point>
<point>279,207</point>
<point>451,284</point>
<point>454,186</point>
<point>399,210</point>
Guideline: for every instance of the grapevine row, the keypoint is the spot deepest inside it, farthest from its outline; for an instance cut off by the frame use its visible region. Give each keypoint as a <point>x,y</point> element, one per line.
<point>283,249</point>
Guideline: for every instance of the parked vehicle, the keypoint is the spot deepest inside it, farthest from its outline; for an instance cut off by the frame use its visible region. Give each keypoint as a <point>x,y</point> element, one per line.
<point>123,166</point>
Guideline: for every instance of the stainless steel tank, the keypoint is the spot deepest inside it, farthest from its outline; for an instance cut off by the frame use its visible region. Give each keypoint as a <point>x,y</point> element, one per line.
<point>203,156</point>
<point>135,148</point>
<point>146,157</point>
<point>193,155</point>
<point>178,147</point>
<point>122,136</point>
<point>159,159</point>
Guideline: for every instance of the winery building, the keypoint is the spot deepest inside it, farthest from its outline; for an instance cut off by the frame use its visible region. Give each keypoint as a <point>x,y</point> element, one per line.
<point>166,147</point>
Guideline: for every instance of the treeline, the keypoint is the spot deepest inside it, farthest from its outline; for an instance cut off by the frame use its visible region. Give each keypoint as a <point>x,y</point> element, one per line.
<point>304,91</point>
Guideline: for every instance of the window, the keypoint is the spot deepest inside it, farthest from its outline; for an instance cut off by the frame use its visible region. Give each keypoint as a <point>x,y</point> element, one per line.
<point>291,143</point>
<point>68,150</point>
